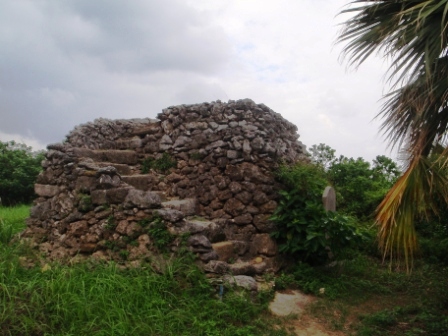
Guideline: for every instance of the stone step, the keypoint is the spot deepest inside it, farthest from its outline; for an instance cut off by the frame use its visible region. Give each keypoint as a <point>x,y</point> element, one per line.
<point>253,267</point>
<point>230,249</point>
<point>110,155</point>
<point>143,182</point>
<point>91,165</point>
<point>188,205</point>
<point>247,267</point>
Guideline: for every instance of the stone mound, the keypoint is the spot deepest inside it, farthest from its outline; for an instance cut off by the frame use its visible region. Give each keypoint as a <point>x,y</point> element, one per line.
<point>205,171</point>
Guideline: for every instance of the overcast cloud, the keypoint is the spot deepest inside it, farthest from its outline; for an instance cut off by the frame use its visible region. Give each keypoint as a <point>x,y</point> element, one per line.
<point>68,62</point>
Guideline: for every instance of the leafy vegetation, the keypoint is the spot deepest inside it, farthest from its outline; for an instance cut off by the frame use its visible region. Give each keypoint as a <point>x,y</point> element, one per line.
<point>159,233</point>
<point>162,164</point>
<point>303,229</point>
<point>360,186</point>
<point>19,167</point>
<point>362,297</point>
<point>85,203</point>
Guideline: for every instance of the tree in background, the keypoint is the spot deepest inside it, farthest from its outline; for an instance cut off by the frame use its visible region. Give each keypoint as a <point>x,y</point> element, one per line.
<point>322,155</point>
<point>414,35</point>
<point>19,167</point>
<point>360,186</point>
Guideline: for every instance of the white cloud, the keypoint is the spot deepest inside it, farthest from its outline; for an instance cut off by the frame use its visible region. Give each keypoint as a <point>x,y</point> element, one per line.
<point>70,62</point>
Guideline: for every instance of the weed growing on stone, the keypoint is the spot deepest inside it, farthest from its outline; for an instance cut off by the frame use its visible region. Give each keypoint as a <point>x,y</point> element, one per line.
<point>85,203</point>
<point>110,223</point>
<point>197,156</point>
<point>159,233</point>
<point>124,254</point>
<point>111,245</point>
<point>161,165</point>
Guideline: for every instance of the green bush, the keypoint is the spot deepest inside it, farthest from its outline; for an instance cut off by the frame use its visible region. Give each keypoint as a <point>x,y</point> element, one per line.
<point>303,229</point>
<point>360,186</point>
<point>19,167</point>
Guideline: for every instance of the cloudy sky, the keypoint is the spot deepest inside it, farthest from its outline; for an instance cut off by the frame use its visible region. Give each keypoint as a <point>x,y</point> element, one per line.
<point>68,62</point>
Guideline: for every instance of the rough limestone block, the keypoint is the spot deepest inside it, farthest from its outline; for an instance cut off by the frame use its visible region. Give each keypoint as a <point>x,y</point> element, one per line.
<point>225,250</point>
<point>117,156</point>
<point>187,206</point>
<point>234,207</point>
<point>263,244</point>
<point>46,190</point>
<point>142,199</point>
<point>85,183</point>
<point>98,197</point>
<point>117,195</point>
<point>243,281</point>
<point>141,182</point>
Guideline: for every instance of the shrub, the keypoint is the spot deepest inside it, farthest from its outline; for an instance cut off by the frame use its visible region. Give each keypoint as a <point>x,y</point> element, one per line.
<point>303,229</point>
<point>19,167</point>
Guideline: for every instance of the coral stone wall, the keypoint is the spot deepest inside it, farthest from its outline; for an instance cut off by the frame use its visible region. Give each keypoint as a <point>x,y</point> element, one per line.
<point>205,169</point>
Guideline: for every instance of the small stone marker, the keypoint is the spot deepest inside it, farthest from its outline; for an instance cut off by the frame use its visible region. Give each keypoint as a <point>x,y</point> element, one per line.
<point>329,199</point>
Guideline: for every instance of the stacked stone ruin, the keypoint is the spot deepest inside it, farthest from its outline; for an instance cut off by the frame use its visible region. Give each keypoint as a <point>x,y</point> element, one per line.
<point>98,189</point>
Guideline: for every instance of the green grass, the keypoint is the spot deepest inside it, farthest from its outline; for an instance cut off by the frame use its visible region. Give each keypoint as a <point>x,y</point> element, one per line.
<point>104,299</point>
<point>363,297</point>
<point>12,220</point>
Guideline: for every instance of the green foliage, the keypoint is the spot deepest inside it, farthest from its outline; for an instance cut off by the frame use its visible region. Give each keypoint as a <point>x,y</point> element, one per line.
<point>322,155</point>
<point>361,187</point>
<point>303,228</point>
<point>12,221</point>
<point>85,203</point>
<point>124,254</point>
<point>19,167</point>
<point>162,164</point>
<point>425,321</point>
<point>111,245</point>
<point>111,224</point>
<point>196,156</point>
<point>343,231</point>
<point>299,212</point>
<point>159,233</point>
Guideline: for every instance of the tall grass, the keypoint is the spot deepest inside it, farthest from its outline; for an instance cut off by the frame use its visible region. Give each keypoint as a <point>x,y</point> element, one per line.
<point>12,220</point>
<point>105,299</point>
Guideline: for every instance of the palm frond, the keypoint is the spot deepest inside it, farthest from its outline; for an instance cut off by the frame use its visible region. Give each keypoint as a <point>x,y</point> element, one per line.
<point>413,195</point>
<point>417,106</point>
<point>412,33</point>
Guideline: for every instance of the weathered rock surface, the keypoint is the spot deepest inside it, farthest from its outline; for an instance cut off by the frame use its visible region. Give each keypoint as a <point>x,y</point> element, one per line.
<point>204,170</point>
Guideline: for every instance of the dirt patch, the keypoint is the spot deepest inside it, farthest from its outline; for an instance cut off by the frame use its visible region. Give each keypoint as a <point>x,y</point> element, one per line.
<point>291,305</point>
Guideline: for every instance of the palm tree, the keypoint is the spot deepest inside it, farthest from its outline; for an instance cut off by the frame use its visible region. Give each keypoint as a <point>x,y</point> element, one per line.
<point>414,35</point>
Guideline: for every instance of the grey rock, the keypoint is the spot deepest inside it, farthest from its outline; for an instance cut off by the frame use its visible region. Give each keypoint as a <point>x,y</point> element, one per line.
<point>199,241</point>
<point>170,215</point>
<point>142,199</point>
<point>243,281</point>
<point>108,170</point>
<point>216,266</point>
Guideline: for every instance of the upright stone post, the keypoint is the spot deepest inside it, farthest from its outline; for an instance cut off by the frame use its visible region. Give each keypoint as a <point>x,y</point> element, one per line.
<point>329,199</point>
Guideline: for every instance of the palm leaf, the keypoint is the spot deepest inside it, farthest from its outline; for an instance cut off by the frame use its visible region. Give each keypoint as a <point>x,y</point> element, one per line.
<point>413,195</point>
<point>412,33</point>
